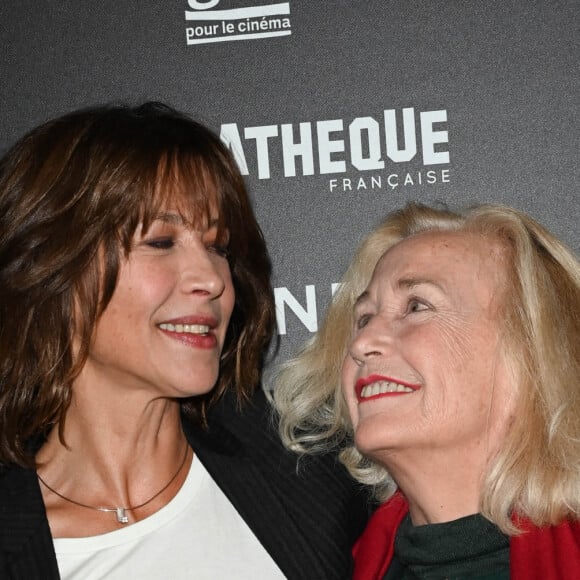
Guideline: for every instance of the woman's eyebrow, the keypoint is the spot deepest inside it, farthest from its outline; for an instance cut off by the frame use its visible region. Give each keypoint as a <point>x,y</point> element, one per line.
<point>410,283</point>
<point>362,298</point>
<point>169,217</point>
<point>176,219</point>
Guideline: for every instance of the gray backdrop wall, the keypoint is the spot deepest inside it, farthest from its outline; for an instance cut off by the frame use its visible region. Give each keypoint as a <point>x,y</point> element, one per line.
<point>338,111</point>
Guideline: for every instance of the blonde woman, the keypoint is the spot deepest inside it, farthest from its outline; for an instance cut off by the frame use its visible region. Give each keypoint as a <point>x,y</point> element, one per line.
<point>447,373</point>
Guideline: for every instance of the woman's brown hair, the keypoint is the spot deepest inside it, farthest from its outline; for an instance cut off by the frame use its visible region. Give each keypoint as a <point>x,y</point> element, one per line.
<point>72,193</point>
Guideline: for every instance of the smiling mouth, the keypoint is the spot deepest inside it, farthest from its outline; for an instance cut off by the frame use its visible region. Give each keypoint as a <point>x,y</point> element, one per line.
<point>375,386</point>
<point>383,388</point>
<point>186,328</point>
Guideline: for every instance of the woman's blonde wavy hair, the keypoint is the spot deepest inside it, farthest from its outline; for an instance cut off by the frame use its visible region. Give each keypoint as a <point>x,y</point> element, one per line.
<point>536,474</point>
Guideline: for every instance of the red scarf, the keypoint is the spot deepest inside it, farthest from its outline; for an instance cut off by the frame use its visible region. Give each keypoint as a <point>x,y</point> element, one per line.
<point>549,553</point>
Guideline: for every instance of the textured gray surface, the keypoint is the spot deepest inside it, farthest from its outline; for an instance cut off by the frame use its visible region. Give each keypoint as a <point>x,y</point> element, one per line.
<point>505,72</point>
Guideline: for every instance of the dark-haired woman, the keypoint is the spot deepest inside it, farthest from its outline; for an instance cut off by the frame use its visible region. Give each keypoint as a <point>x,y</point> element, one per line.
<point>135,308</point>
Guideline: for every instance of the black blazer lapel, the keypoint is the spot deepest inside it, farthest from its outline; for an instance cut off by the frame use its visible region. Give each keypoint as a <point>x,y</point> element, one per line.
<point>262,506</point>
<point>285,510</point>
<point>26,548</point>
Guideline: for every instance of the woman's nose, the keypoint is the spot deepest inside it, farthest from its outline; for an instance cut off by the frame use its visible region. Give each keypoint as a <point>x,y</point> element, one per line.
<point>369,342</point>
<point>203,273</point>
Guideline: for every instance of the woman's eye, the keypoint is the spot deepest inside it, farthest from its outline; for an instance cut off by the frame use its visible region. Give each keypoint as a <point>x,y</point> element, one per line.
<point>222,251</point>
<point>416,305</point>
<point>362,321</point>
<point>161,243</point>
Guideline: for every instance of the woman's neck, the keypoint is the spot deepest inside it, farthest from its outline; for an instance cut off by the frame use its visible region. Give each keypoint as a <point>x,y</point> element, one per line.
<point>112,454</point>
<point>437,491</point>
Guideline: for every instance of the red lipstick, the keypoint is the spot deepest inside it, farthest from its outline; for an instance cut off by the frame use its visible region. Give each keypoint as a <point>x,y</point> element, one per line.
<point>371,379</point>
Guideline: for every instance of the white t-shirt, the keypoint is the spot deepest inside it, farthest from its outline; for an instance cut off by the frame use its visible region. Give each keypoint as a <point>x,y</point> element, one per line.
<point>197,535</point>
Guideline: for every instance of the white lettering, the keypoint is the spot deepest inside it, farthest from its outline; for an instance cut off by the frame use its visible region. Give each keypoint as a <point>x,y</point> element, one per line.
<point>261,135</point>
<point>365,144</point>
<point>376,182</point>
<point>302,149</point>
<point>197,5</point>
<point>371,127</point>
<point>429,137</point>
<point>393,152</point>
<point>394,180</point>
<point>326,146</point>
<point>230,135</point>
<point>308,315</point>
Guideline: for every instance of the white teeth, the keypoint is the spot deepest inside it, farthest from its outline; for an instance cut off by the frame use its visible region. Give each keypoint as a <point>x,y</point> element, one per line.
<point>186,328</point>
<point>381,387</point>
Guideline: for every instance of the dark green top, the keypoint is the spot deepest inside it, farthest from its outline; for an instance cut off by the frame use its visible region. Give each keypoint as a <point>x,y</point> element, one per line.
<point>467,548</point>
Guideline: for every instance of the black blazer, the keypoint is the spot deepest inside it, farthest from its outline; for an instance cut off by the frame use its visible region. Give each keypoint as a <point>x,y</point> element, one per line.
<point>307,520</point>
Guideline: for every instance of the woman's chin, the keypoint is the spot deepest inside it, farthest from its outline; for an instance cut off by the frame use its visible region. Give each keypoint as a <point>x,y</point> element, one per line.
<point>374,441</point>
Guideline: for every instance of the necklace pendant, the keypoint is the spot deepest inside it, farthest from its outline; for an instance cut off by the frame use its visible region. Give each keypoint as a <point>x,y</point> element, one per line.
<point>122,517</point>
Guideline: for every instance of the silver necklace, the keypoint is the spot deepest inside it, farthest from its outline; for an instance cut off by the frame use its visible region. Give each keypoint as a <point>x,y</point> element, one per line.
<point>121,512</point>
